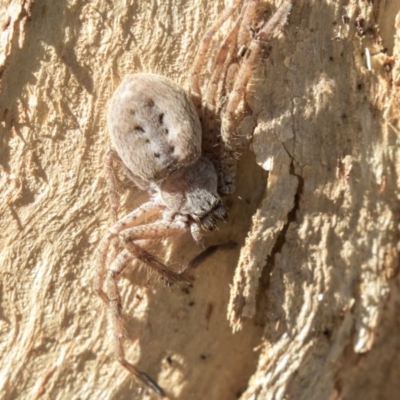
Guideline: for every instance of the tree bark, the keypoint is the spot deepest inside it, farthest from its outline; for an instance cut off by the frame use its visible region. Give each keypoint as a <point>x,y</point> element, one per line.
<point>307,306</point>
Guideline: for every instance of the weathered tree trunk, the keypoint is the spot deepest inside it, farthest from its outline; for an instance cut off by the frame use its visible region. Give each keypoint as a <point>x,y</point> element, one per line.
<point>312,292</point>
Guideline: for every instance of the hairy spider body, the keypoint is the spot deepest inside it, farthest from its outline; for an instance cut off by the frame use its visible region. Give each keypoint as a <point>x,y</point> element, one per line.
<point>155,130</point>
<point>158,142</point>
<point>156,135</point>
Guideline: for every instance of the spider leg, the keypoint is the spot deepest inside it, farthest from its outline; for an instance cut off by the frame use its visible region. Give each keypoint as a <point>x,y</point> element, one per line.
<point>146,210</point>
<point>249,15</point>
<point>111,160</point>
<point>111,292</point>
<point>153,231</point>
<point>111,181</point>
<point>114,305</point>
<point>222,56</point>
<point>240,33</point>
<point>210,109</point>
<point>194,80</point>
<point>107,277</point>
<point>223,158</point>
<point>277,20</point>
<point>234,111</point>
<point>230,114</point>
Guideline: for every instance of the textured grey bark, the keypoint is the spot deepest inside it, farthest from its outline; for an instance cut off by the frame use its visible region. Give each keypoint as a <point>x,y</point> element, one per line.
<point>313,289</point>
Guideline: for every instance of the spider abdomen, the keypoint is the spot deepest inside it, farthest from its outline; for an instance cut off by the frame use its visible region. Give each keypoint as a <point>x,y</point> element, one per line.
<point>153,126</point>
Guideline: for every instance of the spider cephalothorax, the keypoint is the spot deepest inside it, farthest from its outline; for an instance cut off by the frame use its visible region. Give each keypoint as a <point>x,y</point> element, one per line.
<point>193,191</point>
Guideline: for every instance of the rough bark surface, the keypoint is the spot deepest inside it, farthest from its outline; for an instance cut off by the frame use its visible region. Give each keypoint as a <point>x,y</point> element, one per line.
<point>312,292</point>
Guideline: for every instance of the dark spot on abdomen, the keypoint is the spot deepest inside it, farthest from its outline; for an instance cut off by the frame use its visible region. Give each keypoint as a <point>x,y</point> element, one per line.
<point>149,103</point>
<point>139,129</point>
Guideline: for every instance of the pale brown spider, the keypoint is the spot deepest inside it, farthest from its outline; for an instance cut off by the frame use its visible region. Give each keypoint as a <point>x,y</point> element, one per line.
<point>168,142</point>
